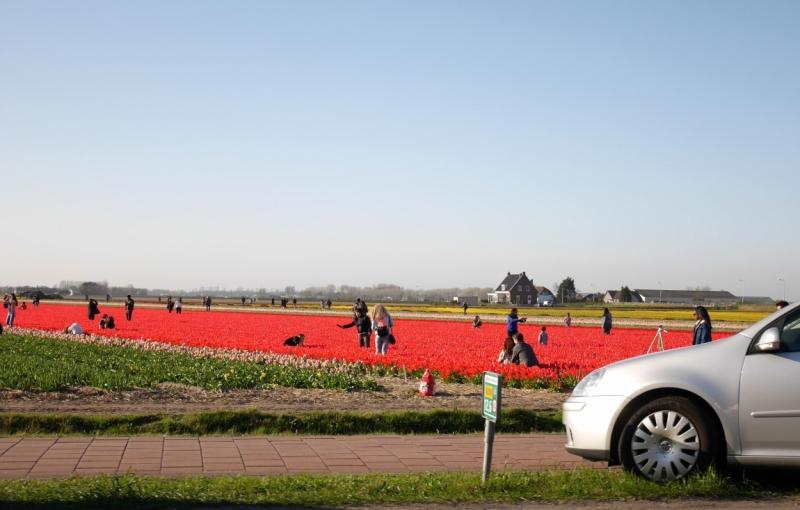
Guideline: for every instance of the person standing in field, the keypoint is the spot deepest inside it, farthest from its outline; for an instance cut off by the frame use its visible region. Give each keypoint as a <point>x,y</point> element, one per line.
<point>329,304</point>
<point>10,303</point>
<point>513,321</point>
<point>567,320</point>
<point>702,328</point>
<point>273,302</point>
<point>129,307</point>
<point>543,336</point>
<point>382,324</point>
<point>465,306</point>
<point>363,326</point>
<point>178,306</point>
<point>606,322</point>
<point>108,297</point>
<point>170,304</point>
<point>93,309</point>
<point>208,303</point>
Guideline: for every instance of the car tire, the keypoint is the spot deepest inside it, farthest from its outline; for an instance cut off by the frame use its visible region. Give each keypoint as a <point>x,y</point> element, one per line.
<point>668,438</point>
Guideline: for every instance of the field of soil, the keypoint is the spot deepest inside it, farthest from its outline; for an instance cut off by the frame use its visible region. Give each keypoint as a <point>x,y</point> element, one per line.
<point>397,395</point>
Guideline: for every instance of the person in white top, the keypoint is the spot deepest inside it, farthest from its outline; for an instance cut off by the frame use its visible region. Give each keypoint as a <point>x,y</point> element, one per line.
<point>505,354</point>
<point>75,329</point>
<point>382,324</point>
<point>178,305</point>
<point>568,320</point>
<point>543,336</point>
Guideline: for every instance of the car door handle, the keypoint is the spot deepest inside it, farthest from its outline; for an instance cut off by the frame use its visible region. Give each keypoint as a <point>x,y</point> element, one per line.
<point>775,414</point>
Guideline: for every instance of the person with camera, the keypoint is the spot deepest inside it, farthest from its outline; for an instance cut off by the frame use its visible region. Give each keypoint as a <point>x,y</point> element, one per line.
<point>513,321</point>
<point>93,309</point>
<point>10,303</point>
<point>129,307</point>
<point>363,326</point>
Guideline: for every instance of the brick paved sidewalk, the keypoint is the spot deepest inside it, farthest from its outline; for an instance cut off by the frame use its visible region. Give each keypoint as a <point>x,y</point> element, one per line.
<point>182,456</point>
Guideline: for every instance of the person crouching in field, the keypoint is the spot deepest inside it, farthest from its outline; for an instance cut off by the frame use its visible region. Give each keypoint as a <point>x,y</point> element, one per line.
<point>107,322</point>
<point>506,352</point>
<point>74,329</point>
<point>523,353</point>
<point>295,341</point>
<point>363,325</point>
<point>382,324</point>
<point>477,322</point>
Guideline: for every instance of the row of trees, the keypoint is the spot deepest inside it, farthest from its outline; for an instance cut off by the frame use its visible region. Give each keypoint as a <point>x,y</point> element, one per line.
<point>384,291</point>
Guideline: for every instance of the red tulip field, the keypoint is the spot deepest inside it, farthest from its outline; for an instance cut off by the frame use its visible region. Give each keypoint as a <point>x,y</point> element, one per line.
<point>454,350</point>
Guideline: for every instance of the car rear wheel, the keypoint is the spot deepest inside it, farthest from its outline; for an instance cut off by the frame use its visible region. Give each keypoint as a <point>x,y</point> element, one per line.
<point>666,439</point>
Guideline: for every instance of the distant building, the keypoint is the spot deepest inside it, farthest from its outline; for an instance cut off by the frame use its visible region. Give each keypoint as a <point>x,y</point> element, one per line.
<point>758,300</point>
<point>612,296</point>
<point>469,300</point>
<point>515,289</point>
<point>688,297</point>
<point>695,297</point>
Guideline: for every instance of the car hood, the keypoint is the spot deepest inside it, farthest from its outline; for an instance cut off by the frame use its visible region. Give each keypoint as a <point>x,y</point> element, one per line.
<point>686,367</point>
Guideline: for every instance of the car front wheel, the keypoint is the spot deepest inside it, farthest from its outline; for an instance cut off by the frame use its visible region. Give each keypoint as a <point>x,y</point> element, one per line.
<point>666,439</point>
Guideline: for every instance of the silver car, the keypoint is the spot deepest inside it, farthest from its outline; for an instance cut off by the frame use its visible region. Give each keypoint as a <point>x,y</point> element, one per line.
<point>666,415</point>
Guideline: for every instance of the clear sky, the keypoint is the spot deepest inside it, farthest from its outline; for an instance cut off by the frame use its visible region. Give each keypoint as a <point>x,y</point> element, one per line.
<point>428,144</point>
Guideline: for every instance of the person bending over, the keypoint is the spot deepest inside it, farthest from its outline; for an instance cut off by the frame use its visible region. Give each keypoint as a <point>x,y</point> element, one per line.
<point>74,329</point>
<point>477,322</point>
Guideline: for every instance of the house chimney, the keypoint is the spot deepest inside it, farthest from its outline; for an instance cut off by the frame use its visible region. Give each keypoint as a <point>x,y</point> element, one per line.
<point>508,274</point>
<point>523,273</point>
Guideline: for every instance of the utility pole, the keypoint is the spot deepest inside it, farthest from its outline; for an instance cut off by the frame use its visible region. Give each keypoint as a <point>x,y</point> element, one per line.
<point>742,290</point>
<point>592,292</point>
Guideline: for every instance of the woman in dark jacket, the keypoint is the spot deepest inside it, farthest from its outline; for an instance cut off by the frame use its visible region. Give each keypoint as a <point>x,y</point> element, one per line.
<point>606,322</point>
<point>363,325</point>
<point>702,328</point>
<point>93,309</point>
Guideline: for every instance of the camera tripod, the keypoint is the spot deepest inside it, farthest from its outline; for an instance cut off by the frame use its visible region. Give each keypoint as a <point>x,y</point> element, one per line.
<point>658,340</point>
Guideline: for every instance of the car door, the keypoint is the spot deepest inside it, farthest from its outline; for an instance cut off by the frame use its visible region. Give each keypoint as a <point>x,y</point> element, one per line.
<point>769,396</point>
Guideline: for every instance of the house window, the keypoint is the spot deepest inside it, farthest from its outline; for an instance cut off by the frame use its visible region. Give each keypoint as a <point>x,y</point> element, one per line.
<point>519,288</point>
<point>503,287</point>
<point>527,288</point>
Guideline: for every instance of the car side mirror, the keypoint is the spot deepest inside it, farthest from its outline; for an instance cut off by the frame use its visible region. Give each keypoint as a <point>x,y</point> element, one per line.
<point>770,341</point>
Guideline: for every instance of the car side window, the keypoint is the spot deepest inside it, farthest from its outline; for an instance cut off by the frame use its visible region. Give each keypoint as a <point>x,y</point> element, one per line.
<point>790,335</point>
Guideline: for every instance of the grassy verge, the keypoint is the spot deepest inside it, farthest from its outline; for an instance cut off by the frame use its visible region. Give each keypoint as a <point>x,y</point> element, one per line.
<point>257,423</point>
<point>308,490</point>
<point>32,362</point>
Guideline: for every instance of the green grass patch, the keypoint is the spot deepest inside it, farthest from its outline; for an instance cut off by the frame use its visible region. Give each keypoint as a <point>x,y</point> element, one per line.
<point>31,362</point>
<point>308,490</point>
<point>257,423</point>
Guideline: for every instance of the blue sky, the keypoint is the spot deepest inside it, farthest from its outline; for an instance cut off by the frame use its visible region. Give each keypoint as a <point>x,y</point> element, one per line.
<point>428,144</point>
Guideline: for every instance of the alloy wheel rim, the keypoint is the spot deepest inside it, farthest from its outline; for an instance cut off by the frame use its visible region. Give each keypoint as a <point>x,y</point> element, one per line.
<point>665,446</point>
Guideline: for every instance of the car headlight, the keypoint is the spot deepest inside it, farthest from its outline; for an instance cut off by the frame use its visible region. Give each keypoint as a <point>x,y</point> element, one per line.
<point>588,383</point>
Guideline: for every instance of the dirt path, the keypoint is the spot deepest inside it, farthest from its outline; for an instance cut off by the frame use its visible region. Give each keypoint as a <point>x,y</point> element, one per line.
<point>172,398</point>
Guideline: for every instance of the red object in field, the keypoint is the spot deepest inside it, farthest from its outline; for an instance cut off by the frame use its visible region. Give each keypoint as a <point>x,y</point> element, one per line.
<point>427,388</point>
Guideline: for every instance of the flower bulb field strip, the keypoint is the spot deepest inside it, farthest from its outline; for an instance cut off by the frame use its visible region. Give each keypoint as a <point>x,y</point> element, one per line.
<point>454,350</point>
<point>51,364</point>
